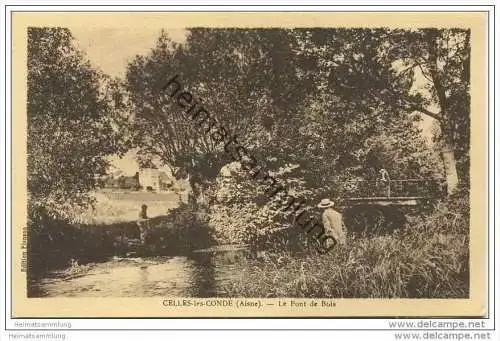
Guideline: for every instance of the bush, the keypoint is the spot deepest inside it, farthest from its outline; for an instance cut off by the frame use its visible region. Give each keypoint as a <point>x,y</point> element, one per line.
<point>242,212</point>
<point>180,231</point>
<point>52,243</point>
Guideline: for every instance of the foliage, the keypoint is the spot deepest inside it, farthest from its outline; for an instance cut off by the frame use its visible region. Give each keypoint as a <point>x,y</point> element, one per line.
<point>243,88</point>
<point>315,107</point>
<point>290,96</point>
<point>380,72</point>
<point>53,243</point>
<point>334,143</point>
<point>72,123</point>
<point>181,231</point>
<point>443,58</point>
<point>242,210</point>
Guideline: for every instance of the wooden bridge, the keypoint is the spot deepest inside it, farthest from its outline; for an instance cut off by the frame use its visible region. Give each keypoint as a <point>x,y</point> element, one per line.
<point>371,207</point>
<point>408,192</point>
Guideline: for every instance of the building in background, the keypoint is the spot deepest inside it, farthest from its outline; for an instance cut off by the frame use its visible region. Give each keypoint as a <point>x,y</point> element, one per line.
<point>155,180</point>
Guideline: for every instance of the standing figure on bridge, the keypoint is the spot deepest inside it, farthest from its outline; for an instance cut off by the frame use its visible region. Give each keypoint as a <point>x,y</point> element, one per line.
<point>333,221</point>
<point>384,177</point>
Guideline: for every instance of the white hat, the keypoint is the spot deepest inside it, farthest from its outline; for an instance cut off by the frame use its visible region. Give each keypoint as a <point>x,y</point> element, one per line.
<point>326,203</point>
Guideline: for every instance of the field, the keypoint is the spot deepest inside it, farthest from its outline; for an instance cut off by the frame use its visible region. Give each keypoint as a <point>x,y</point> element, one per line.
<point>140,196</point>
<point>113,207</point>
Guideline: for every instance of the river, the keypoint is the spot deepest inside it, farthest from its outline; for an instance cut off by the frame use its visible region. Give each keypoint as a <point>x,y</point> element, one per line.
<point>201,274</point>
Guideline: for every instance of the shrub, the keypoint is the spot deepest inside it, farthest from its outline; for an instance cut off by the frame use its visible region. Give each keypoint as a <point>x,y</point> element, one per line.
<point>242,212</point>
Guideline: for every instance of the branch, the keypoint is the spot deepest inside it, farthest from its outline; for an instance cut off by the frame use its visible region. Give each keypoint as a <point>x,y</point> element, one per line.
<point>436,116</point>
<point>403,72</point>
<point>424,74</point>
<point>413,106</point>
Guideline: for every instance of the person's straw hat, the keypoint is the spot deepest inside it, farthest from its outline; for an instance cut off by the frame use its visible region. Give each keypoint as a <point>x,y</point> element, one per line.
<point>326,203</point>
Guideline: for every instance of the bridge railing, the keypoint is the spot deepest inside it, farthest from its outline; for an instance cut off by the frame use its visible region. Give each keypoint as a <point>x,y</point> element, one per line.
<point>394,188</point>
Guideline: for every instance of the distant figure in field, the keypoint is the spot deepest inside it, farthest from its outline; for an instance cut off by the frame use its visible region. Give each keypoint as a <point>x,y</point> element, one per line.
<point>332,221</point>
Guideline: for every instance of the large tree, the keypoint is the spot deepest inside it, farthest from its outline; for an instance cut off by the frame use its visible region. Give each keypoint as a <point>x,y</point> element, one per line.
<point>73,122</point>
<point>244,78</point>
<point>338,131</point>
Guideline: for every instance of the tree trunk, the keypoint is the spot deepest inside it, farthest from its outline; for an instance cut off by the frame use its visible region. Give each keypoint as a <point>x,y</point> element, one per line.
<point>198,202</point>
<point>450,168</point>
<point>447,127</point>
<point>200,179</point>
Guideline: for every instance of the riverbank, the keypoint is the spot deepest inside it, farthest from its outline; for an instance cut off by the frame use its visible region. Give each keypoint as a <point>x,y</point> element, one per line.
<point>55,244</point>
<point>409,264</point>
<point>120,206</point>
<point>429,258</point>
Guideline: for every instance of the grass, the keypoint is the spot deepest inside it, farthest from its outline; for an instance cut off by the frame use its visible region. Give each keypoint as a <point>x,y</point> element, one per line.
<point>139,196</point>
<point>428,259</point>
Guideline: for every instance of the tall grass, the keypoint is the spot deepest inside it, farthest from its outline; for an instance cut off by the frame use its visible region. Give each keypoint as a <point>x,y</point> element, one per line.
<point>428,259</point>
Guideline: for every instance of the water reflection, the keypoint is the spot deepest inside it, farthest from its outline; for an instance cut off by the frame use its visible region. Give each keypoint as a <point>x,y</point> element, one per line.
<point>204,275</point>
<point>198,275</point>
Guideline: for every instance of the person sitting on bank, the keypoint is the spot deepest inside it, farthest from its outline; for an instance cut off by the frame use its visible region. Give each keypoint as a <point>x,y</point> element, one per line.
<point>333,221</point>
<point>143,214</point>
<point>142,222</point>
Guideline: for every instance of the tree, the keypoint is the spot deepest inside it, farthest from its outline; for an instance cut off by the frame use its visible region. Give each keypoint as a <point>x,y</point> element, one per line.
<point>378,70</point>
<point>339,132</point>
<point>292,98</point>
<point>290,95</point>
<point>73,123</point>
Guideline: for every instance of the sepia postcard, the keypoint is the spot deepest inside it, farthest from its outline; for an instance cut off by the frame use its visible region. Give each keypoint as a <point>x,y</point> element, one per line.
<point>249,164</point>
